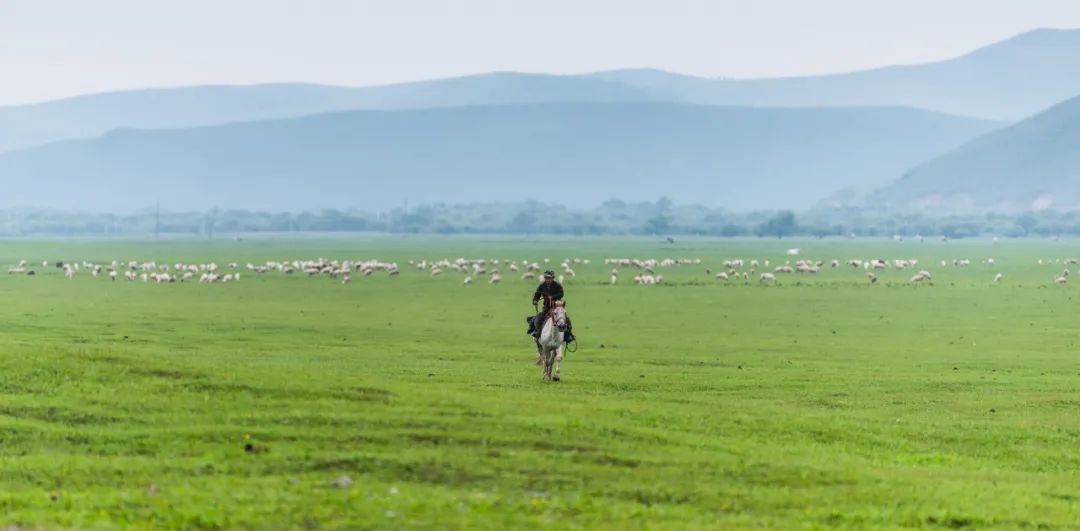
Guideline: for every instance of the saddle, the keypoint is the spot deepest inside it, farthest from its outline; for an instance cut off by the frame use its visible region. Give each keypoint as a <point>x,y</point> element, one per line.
<point>568,335</point>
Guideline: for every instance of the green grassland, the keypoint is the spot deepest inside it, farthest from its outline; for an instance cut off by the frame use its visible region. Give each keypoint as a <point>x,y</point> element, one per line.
<point>820,401</point>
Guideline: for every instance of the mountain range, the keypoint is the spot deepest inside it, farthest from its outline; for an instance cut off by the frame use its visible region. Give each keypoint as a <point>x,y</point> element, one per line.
<point>575,153</point>
<point>170,108</point>
<point>631,134</point>
<point>1009,80</point>
<point>1031,165</point>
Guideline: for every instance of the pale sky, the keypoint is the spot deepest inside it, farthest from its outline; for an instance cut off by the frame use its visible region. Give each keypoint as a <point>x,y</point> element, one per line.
<point>57,48</point>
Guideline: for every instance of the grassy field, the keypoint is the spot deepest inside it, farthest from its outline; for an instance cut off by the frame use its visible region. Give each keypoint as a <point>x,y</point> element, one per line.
<point>411,401</point>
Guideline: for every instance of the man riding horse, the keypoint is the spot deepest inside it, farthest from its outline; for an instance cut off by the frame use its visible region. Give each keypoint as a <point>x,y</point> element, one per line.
<point>550,291</point>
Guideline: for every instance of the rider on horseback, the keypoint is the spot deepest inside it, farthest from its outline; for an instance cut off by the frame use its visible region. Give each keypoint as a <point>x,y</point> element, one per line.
<point>550,291</point>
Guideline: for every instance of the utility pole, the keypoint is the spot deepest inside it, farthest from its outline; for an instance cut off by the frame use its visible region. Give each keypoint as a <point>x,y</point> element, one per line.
<point>211,219</point>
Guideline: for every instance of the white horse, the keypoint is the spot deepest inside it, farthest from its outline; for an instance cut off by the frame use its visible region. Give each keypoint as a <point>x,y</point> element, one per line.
<point>549,348</point>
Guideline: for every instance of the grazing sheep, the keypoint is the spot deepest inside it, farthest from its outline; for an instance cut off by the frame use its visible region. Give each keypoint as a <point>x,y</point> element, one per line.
<point>495,278</point>
<point>112,275</point>
<point>997,278</point>
<point>722,276</point>
<point>871,277</point>
<point>1061,280</point>
<point>468,280</point>
<point>768,277</point>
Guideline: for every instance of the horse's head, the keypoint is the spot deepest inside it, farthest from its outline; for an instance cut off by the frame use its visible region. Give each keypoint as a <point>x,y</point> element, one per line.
<point>558,315</point>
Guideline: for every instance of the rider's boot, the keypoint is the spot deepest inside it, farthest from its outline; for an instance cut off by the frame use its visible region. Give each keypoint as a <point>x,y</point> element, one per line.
<point>532,325</point>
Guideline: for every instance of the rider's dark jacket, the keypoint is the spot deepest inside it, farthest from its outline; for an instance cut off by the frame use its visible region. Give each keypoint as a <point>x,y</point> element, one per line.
<point>553,291</point>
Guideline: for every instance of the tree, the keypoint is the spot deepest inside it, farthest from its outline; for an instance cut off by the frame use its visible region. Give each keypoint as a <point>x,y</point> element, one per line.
<point>664,205</point>
<point>657,225</point>
<point>1027,222</point>
<point>524,222</point>
<point>780,225</point>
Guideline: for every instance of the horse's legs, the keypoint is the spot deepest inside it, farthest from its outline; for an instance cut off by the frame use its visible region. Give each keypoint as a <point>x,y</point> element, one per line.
<point>548,358</point>
<point>558,363</point>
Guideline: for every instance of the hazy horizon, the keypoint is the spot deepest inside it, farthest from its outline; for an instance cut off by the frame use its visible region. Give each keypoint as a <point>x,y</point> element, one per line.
<point>54,49</point>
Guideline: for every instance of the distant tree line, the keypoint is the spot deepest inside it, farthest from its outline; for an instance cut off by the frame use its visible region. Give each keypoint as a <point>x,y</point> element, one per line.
<point>656,218</point>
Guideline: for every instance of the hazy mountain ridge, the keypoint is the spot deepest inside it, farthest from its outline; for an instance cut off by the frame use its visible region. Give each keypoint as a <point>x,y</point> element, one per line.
<point>1007,80</point>
<point>93,115</point>
<point>1031,165</point>
<point>579,153</point>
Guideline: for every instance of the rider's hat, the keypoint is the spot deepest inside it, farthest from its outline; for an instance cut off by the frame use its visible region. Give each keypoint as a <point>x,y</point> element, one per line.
<point>549,273</point>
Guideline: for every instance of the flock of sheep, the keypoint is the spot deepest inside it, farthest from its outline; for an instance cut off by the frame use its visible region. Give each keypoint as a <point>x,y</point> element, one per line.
<point>211,272</point>
<point>645,271</point>
<point>490,267</point>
